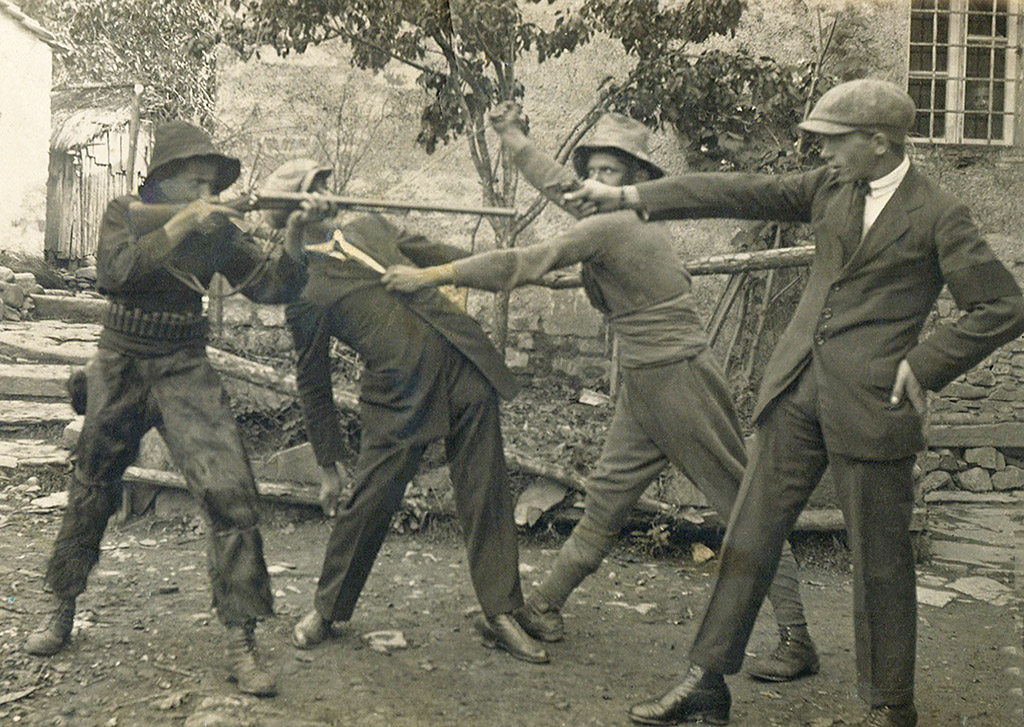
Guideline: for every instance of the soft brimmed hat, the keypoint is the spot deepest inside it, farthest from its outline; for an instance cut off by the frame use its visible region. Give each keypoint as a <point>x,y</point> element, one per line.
<point>615,131</point>
<point>867,104</point>
<point>296,175</point>
<point>178,140</point>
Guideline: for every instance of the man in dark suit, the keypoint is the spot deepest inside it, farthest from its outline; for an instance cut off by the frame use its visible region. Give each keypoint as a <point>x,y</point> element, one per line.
<point>846,384</point>
<point>430,373</point>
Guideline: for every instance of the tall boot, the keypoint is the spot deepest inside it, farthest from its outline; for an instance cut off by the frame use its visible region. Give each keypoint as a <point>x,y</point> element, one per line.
<point>252,677</point>
<point>54,633</point>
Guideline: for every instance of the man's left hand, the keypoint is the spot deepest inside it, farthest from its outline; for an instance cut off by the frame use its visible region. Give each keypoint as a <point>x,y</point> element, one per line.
<point>907,386</point>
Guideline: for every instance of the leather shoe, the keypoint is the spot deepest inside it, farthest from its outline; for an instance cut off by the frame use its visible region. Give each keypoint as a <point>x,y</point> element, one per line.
<point>702,697</point>
<point>311,631</point>
<point>794,657</point>
<point>504,632</point>
<point>540,621</point>
<point>899,715</point>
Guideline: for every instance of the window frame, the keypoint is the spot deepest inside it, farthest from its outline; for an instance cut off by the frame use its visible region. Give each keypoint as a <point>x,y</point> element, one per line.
<point>954,76</point>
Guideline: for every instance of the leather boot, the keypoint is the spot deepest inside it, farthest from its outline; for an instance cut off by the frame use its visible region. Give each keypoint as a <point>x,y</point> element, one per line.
<point>245,668</point>
<point>311,630</point>
<point>702,697</point>
<point>902,715</point>
<point>540,620</point>
<point>504,632</point>
<point>794,657</point>
<point>55,632</point>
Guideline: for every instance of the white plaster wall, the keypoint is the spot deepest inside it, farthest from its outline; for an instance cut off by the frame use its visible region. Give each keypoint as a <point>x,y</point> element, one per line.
<point>25,75</point>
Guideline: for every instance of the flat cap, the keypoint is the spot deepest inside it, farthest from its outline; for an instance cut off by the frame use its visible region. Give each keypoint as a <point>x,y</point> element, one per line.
<point>864,104</point>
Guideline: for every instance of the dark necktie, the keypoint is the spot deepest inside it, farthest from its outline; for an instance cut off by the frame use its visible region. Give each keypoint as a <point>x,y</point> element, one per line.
<point>855,222</point>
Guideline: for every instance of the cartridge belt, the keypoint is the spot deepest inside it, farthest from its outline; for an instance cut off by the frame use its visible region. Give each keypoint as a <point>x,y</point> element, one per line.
<point>165,325</point>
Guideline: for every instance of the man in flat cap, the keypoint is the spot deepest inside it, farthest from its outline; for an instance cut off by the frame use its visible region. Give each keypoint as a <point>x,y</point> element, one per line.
<point>151,370</point>
<point>846,384</point>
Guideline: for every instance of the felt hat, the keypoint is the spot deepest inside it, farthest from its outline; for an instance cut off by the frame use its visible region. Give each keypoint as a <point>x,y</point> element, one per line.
<point>867,104</point>
<point>296,175</point>
<point>177,140</point>
<point>615,131</point>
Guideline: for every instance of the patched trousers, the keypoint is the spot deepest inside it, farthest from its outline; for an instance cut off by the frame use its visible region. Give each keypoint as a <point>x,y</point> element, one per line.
<point>182,396</point>
<point>787,462</point>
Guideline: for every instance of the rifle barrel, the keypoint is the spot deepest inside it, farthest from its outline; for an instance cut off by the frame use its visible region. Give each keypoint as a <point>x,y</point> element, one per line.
<point>291,199</point>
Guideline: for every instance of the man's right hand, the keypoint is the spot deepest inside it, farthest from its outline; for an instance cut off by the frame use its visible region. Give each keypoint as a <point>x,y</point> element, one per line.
<point>593,196</point>
<point>505,117</point>
<point>330,489</point>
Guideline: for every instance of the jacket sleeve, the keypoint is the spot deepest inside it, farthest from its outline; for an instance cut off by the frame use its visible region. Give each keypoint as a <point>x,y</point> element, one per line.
<point>308,325</point>
<point>507,269</point>
<point>122,257</point>
<point>732,195</point>
<point>549,177</point>
<point>982,287</point>
<point>425,252</point>
<point>263,276</point>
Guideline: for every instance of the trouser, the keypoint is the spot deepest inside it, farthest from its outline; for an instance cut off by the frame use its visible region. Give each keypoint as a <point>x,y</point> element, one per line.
<point>182,396</point>
<point>476,461</point>
<point>786,465</point>
<point>680,413</point>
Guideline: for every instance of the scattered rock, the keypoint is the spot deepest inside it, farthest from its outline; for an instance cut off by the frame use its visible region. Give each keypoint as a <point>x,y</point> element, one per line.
<point>57,499</point>
<point>933,597</point>
<point>701,553</point>
<point>385,641</point>
<point>984,589</point>
<point>537,499</point>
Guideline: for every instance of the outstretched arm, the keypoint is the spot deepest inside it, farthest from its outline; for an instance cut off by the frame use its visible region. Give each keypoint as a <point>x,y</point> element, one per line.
<point>550,178</point>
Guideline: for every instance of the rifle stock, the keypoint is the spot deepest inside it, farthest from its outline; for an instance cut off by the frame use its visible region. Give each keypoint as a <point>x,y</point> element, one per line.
<point>146,217</point>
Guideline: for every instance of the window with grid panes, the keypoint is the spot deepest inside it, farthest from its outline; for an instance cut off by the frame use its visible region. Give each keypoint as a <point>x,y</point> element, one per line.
<point>963,69</point>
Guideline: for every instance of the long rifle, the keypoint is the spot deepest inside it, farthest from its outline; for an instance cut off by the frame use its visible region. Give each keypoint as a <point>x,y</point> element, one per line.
<point>146,217</point>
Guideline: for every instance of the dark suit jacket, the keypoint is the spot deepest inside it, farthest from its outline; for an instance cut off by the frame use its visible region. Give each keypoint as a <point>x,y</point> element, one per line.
<point>405,341</point>
<point>858,320</point>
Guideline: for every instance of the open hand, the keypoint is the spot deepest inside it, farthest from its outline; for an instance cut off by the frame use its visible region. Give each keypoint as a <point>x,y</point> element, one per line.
<point>406,278</point>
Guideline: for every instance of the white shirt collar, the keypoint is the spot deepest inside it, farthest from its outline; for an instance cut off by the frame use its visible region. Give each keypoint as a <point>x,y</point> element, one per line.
<point>887,185</point>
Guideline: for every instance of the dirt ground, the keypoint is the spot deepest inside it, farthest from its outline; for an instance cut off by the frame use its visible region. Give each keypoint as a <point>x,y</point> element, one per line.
<point>148,652</point>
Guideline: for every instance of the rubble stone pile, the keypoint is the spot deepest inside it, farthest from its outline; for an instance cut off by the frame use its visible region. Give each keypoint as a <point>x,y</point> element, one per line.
<point>16,291</point>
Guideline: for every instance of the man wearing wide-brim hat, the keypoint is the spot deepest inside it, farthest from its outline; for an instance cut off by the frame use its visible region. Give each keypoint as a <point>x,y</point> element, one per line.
<point>151,370</point>
<point>674,405</point>
<point>846,384</point>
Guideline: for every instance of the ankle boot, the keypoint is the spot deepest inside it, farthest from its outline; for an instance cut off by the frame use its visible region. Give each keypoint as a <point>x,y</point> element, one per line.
<point>54,633</point>
<point>701,697</point>
<point>245,669</point>
<point>540,620</point>
<point>793,657</point>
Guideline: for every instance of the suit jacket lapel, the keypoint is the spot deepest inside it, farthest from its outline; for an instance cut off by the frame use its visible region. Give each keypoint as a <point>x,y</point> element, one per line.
<point>890,225</point>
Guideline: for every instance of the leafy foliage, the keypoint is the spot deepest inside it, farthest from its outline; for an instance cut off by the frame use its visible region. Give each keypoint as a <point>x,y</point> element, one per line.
<point>167,45</point>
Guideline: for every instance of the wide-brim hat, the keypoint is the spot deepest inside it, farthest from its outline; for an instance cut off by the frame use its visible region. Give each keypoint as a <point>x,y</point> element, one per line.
<point>296,175</point>
<point>866,104</point>
<point>621,133</point>
<point>177,140</point>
